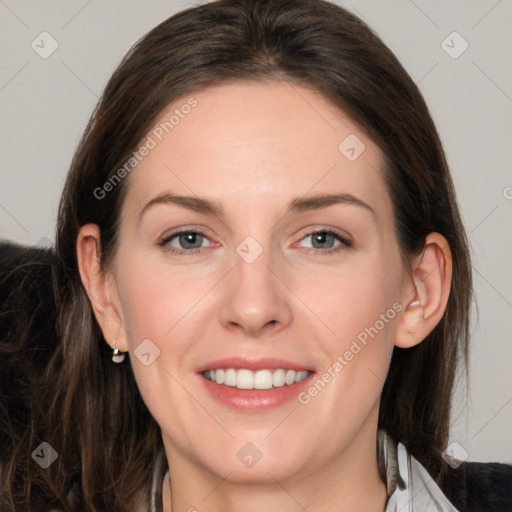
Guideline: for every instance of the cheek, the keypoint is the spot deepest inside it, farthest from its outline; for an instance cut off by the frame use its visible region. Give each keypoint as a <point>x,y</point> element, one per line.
<point>359,304</point>
<point>366,307</point>
<point>353,299</point>
<point>145,305</point>
<point>158,305</point>
<point>155,298</point>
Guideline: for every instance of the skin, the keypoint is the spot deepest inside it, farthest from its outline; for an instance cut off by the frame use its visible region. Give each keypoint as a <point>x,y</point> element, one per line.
<point>253,148</point>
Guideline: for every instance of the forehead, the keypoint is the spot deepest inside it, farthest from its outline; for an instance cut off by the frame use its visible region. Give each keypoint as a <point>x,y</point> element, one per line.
<point>254,144</point>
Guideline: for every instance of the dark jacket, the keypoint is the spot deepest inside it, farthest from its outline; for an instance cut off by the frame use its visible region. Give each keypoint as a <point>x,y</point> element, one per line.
<point>480,486</point>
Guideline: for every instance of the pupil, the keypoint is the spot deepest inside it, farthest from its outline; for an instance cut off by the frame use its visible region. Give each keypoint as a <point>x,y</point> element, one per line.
<point>189,238</point>
<point>321,237</point>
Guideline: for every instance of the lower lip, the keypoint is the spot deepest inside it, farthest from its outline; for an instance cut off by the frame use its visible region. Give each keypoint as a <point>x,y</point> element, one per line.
<point>254,399</point>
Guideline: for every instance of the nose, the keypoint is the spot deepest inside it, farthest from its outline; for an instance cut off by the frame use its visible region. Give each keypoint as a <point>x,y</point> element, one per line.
<point>256,300</point>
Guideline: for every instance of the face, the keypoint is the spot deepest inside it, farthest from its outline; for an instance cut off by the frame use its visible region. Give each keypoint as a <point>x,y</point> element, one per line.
<point>280,271</point>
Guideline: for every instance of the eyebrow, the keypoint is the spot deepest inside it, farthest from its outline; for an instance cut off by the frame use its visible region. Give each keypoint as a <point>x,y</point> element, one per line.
<point>297,205</point>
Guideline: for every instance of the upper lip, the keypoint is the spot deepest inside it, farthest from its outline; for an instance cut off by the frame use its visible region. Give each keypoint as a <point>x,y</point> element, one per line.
<point>262,363</point>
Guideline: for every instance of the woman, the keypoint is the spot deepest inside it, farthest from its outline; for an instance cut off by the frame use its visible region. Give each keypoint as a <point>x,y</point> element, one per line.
<point>300,353</point>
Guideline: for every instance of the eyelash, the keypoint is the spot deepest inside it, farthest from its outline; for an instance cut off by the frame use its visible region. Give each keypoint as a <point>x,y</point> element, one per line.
<point>345,244</point>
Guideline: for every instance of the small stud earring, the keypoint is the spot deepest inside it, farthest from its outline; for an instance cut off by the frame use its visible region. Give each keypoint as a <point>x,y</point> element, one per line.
<point>117,356</point>
<point>414,304</point>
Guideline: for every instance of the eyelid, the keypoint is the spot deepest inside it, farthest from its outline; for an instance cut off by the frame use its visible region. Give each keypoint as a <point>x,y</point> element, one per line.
<point>193,228</point>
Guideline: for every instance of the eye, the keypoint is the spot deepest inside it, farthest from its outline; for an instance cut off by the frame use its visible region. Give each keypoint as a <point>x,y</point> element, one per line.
<point>192,242</point>
<point>189,242</point>
<point>323,242</point>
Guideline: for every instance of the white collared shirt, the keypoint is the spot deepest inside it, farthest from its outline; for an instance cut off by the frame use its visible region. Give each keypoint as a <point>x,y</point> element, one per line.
<point>410,486</point>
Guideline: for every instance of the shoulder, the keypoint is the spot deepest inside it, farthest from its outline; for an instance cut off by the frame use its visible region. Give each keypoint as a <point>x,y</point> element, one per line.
<point>469,487</point>
<point>480,486</point>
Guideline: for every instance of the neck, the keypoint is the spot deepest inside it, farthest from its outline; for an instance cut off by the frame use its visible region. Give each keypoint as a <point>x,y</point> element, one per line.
<point>348,482</point>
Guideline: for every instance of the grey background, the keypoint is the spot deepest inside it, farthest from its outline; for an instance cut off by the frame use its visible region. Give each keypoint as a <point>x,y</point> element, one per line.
<point>45,104</point>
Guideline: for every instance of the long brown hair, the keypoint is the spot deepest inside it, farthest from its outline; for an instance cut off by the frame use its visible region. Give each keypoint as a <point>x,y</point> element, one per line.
<point>96,419</point>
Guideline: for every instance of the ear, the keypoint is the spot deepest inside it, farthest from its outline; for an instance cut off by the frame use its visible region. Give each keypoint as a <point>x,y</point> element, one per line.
<point>100,287</point>
<point>426,292</point>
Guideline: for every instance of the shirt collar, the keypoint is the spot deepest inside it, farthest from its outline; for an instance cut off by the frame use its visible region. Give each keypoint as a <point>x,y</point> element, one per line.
<point>410,486</point>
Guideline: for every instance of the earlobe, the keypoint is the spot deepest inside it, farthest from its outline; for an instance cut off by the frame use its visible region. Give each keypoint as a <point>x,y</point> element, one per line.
<point>99,286</point>
<point>426,292</point>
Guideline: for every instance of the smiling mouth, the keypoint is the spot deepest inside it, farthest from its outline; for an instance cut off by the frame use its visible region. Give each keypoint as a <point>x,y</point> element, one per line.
<point>260,379</point>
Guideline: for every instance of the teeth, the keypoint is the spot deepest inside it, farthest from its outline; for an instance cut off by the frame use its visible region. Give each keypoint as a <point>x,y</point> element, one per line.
<point>279,378</point>
<point>229,377</point>
<point>245,379</point>
<point>218,376</point>
<point>261,379</point>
